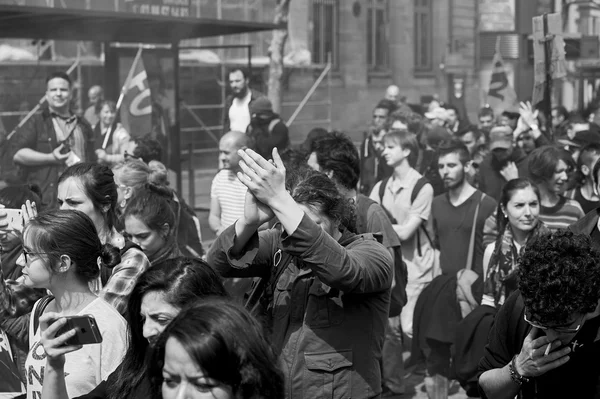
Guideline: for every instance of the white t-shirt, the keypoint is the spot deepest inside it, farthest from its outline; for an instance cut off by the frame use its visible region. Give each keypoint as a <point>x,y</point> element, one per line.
<point>239,113</point>
<point>231,194</point>
<point>88,366</point>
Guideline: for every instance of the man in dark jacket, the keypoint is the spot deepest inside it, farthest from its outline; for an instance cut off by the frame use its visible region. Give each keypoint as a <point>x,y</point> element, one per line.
<point>266,129</point>
<point>53,140</point>
<point>504,162</point>
<point>236,112</point>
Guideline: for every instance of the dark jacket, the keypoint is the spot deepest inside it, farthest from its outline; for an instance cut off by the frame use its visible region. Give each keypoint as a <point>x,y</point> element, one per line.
<point>372,167</point>
<point>491,181</point>
<point>267,131</point>
<point>254,94</point>
<point>587,225</point>
<point>330,306</point>
<point>38,134</point>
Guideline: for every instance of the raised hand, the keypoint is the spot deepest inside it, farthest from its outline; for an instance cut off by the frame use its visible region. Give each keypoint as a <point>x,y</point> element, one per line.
<point>532,361</point>
<point>29,211</point>
<point>55,347</point>
<point>528,115</point>
<point>255,212</point>
<point>264,179</point>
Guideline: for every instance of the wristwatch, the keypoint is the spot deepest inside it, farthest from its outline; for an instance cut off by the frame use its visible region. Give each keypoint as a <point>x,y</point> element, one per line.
<point>514,374</point>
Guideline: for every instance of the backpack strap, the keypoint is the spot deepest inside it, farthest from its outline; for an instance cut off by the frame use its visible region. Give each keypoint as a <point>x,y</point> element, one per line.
<point>413,196</point>
<point>39,310</point>
<point>382,187</point>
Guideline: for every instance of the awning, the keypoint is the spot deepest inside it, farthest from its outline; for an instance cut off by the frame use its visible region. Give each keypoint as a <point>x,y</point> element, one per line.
<point>75,24</point>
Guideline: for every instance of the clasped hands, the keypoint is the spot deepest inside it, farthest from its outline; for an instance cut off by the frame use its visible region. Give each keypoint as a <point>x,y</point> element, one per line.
<point>266,185</point>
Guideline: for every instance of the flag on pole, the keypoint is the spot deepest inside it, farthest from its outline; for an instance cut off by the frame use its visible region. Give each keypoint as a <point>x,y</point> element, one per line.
<point>135,103</point>
<point>501,96</point>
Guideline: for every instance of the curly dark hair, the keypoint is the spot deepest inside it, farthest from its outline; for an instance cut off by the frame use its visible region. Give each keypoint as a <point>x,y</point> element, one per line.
<point>337,153</point>
<point>559,275</point>
<point>311,188</point>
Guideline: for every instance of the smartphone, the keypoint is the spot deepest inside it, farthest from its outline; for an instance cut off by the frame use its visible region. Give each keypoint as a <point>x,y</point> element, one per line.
<point>14,218</point>
<point>87,330</point>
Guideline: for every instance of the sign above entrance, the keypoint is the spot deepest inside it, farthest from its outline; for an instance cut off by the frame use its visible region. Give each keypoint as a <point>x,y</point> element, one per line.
<point>497,15</point>
<point>164,8</point>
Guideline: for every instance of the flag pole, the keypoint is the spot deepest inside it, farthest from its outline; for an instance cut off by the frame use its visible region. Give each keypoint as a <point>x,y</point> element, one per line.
<point>129,78</point>
<point>39,104</point>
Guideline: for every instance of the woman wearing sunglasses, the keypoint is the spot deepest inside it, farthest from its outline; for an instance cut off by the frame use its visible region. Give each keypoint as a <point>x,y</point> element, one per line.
<point>544,342</point>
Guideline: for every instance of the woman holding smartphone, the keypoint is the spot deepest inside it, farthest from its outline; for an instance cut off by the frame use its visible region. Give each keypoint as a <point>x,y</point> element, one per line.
<point>157,298</point>
<point>63,254</point>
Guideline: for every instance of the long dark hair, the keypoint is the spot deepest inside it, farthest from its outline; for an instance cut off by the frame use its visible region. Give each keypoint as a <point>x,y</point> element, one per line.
<point>181,281</point>
<point>99,185</point>
<point>228,344</point>
<point>71,232</point>
<point>508,190</point>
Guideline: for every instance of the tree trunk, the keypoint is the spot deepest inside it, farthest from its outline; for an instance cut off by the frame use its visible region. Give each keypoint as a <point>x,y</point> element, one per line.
<point>276,54</point>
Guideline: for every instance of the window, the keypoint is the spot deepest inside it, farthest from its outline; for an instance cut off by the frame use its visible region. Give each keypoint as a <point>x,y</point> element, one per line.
<point>377,43</point>
<point>423,36</point>
<point>324,31</point>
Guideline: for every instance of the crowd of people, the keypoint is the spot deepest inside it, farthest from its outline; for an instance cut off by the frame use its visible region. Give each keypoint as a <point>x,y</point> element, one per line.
<point>471,249</point>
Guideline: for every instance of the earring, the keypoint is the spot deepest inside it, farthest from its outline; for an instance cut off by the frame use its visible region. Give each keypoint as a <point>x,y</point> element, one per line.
<point>123,203</point>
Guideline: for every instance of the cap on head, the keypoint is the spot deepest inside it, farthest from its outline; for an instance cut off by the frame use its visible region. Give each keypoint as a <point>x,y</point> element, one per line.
<point>261,104</point>
<point>501,137</point>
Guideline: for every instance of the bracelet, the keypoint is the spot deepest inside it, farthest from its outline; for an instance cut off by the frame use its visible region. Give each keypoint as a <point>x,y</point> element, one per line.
<point>514,374</point>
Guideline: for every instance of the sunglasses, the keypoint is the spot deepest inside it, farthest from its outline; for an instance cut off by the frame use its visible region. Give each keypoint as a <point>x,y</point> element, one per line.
<point>558,329</point>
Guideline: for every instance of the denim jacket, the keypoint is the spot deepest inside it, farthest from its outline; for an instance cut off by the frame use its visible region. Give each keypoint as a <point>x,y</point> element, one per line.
<point>330,306</point>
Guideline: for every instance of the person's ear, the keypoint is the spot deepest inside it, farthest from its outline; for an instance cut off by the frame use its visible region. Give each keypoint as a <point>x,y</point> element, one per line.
<point>164,230</point>
<point>329,173</point>
<point>128,192</point>
<point>585,170</point>
<point>64,264</point>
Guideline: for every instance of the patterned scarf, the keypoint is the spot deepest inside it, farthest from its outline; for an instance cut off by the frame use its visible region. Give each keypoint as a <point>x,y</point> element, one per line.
<point>501,278</point>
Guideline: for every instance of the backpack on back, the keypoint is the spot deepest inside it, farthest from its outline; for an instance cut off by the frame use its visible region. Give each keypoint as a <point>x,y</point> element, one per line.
<point>413,195</point>
<point>398,296</point>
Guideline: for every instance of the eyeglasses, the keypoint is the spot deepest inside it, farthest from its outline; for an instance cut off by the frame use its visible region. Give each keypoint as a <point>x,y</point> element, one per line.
<point>558,329</point>
<point>25,253</point>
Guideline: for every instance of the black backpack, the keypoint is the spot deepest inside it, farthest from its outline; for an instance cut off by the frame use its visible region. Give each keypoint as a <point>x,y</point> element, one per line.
<point>398,296</point>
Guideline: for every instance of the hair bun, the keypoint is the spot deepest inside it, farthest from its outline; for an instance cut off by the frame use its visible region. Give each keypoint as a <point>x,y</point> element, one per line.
<point>110,255</point>
<point>158,173</point>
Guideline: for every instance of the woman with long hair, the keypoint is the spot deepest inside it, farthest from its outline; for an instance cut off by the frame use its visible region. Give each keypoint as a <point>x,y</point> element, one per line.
<point>112,140</point>
<point>62,253</point>
<point>202,354</point>
<point>157,298</point>
<point>517,221</point>
<point>150,223</point>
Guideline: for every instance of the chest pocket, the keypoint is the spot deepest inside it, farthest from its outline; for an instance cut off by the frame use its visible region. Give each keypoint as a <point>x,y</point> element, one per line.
<point>282,295</point>
<point>328,375</point>
<point>325,307</point>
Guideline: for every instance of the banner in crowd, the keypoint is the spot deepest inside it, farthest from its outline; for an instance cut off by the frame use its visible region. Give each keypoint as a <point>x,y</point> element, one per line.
<point>501,96</point>
<point>136,105</point>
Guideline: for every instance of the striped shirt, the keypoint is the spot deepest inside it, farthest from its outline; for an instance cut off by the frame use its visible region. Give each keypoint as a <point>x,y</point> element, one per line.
<point>562,215</point>
<point>231,193</point>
